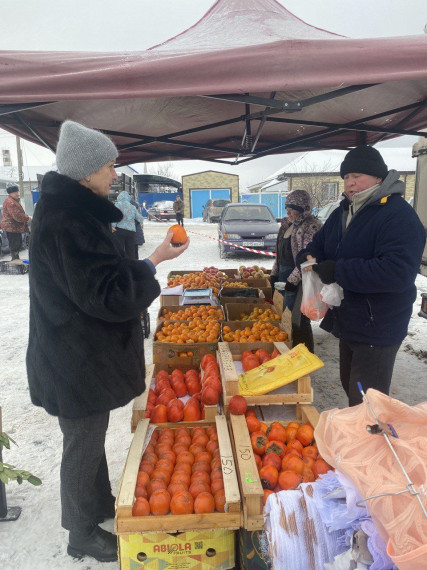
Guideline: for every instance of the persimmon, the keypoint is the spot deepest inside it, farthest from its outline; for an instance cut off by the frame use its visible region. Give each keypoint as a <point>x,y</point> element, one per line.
<point>196,448</point>
<point>159,502</point>
<point>258,441</point>
<point>308,476</point>
<point>275,446</point>
<point>305,434</point>
<point>193,387</point>
<point>175,487</point>
<point>217,485</point>
<point>276,431</point>
<point>162,375</point>
<point>219,498</point>
<point>165,465</point>
<point>177,373</point>
<point>160,385</point>
<point>267,493</point>
<point>163,447</point>
<point>182,431</point>
<point>198,487</point>
<point>175,411</point>
<point>289,480</point>
<point>179,235</point>
<point>183,438</point>
<point>216,473</point>
<point>250,412</point>
<point>211,446</point>
<point>263,428</point>
<point>203,456</point>
<point>155,485</point>
<point>211,432</point>
<point>293,463</point>
<point>293,425</point>
<point>320,467</point>
<point>161,474</point>
<point>308,462</point>
<point>146,467</point>
<point>183,468</point>
<point>253,424</point>
<point>237,405</point>
<point>250,363</point>
<point>192,411</point>
<point>272,459</point>
<point>201,438</point>
<point>275,353</point>
<point>169,455</point>
<point>309,451</point>
<point>207,358</point>
<point>180,389</point>
<point>141,507</point>
<point>204,503</point>
<point>216,462</point>
<point>141,491</point>
<point>295,444</point>
<point>159,415</point>
<point>210,395</point>
<point>203,476</point>
<point>269,476</point>
<point>185,457</point>
<point>179,447</point>
<point>201,466</point>
<point>142,478</point>
<point>291,433</point>
<point>182,503</point>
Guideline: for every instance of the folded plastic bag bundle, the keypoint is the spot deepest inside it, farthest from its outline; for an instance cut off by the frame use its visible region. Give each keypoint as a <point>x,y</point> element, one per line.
<point>366,459</point>
<point>279,371</point>
<point>312,305</point>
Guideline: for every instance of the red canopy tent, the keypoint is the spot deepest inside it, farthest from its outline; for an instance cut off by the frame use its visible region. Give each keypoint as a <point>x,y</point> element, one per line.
<point>248,79</point>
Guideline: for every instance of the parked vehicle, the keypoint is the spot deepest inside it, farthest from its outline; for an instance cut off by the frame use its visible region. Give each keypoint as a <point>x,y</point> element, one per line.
<point>213,210</point>
<point>4,242</point>
<point>161,211</point>
<point>324,213</point>
<point>250,225</point>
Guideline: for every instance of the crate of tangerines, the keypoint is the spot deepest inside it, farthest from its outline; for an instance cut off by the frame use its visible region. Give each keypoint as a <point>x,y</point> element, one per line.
<point>191,312</point>
<point>183,394</point>
<point>178,478</point>
<point>272,456</point>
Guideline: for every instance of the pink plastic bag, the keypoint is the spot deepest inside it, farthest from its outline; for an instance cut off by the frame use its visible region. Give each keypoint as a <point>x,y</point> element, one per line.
<point>366,459</point>
<point>312,305</point>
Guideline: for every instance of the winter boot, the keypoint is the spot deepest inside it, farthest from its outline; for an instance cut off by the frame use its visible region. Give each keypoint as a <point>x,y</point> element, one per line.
<point>95,542</point>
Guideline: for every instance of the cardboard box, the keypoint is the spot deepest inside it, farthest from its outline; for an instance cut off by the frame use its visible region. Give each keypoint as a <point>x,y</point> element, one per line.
<point>125,523</point>
<point>234,310</point>
<point>250,484</point>
<point>261,284</point>
<point>182,308</point>
<point>140,403</point>
<point>253,550</point>
<point>190,550</point>
<point>235,325</point>
<point>167,353</point>
<point>169,300</point>
<point>224,296</point>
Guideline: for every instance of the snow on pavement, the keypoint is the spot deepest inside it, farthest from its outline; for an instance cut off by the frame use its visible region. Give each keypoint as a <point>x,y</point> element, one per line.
<point>36,540</point>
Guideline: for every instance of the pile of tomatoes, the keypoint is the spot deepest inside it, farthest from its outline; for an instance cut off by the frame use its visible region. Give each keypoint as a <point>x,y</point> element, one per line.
<point>180,472</point>
<point>164,402</point>
<point>285,455</point>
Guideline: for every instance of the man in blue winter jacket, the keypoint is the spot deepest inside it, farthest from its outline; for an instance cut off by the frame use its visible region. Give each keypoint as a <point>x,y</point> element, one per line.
<point>372,246</point>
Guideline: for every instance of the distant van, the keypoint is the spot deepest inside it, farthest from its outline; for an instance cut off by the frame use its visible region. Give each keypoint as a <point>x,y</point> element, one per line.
<point>213,210</point>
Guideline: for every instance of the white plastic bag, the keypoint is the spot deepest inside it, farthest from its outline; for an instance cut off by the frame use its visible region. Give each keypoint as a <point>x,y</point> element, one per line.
<point>312,305</point>
<point>332,294</point>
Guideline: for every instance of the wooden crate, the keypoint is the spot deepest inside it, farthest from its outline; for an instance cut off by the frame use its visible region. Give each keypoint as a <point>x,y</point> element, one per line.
<point>296,392</point>
<point>125,523</point>
<point>140,403</point>
<point>250,484</point>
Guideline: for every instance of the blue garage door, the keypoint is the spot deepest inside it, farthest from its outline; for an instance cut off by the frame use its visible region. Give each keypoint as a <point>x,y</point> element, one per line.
<point>200,197</point>
<point>283,211</point>
<point>272,201</point>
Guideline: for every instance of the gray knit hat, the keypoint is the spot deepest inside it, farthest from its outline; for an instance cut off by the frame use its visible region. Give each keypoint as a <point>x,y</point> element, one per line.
<point>82,151</point>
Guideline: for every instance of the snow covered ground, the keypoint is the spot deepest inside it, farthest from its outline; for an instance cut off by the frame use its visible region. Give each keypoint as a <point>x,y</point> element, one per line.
<point>36,541</point>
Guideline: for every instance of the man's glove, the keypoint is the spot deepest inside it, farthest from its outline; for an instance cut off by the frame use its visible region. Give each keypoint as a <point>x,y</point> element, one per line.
<point>326,271</point>
<point>273,279</point>
<point>290,287</point>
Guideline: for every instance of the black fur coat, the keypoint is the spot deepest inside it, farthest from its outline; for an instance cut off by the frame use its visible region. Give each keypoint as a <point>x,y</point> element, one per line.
<point>85,352</point>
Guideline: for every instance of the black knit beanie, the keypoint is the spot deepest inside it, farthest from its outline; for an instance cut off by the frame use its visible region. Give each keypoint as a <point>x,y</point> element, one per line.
<point>365,160</point>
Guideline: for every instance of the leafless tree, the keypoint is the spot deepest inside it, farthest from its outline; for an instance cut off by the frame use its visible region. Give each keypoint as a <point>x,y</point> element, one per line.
<point>164,169</point>
<point>313,179</point>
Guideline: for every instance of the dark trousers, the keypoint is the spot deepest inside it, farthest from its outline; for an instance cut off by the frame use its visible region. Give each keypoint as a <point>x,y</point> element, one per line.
<point>15,243</point>
<point>126,238</point>
<point>85,484</point>
<point>180,219</point>
<point>303,334</point>
<point>368,364</point>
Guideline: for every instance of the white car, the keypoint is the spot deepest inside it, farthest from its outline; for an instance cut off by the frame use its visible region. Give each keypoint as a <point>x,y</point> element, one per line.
<point>324,213</point>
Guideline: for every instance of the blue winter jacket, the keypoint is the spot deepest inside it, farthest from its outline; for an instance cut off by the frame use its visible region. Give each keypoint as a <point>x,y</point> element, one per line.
<point>377,259</point>
<point>130,213</point>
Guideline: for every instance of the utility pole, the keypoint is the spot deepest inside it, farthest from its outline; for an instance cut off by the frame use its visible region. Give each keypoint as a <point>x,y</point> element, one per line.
<point>20,169</point>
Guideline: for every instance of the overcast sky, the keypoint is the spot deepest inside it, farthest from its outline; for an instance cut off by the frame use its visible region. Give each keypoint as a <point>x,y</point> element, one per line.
<point>111,25</point>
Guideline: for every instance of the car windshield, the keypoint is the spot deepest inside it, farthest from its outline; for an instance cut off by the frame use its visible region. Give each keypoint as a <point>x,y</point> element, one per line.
<point>248,214</point>
<point>220,203</point>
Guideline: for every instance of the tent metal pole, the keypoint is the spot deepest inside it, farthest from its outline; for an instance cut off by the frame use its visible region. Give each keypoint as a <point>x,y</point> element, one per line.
<point>9,109</point>
<point>33,132</point>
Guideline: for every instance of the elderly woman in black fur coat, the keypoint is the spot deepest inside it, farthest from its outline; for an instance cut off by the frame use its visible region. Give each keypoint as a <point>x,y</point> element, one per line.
<point>85,352</point>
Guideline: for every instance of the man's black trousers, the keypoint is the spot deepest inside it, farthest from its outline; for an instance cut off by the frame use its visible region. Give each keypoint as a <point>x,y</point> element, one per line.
<point>85,484</point>
<point>368,364</point>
